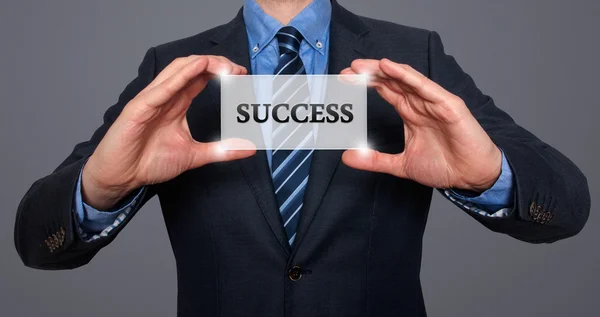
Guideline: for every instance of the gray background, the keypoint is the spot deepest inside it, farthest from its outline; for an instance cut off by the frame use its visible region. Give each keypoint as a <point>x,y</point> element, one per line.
<point>62,63</point>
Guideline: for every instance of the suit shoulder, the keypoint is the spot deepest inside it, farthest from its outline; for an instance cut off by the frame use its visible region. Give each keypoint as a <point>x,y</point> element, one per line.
<point>386,29</point>
<point>190,45</point>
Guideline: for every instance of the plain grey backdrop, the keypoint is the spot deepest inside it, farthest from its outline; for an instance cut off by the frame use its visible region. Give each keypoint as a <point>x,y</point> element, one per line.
<point>63,62</point>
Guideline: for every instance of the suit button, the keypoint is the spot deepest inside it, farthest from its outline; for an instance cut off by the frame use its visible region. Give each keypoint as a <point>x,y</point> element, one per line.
<point>295,273</point>
<point>533,208</point>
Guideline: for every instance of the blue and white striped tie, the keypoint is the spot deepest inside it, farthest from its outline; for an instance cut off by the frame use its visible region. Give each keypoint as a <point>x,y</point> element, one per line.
<point>290,163</point>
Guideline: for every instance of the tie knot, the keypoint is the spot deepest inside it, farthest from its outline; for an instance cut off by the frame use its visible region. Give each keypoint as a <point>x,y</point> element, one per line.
<point>289,39</point>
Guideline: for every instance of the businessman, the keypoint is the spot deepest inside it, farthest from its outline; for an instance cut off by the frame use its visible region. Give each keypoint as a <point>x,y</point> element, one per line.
<point>342,234</point>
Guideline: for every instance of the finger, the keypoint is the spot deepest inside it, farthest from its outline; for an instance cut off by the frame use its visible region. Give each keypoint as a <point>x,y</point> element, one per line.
<point>235,70</point>
<point>347,71</point>
<point>390,89</point>
<point>376,77</point>
<point>374,161</point>
<point>198,84</point>
<point>368,67</point>
<point>222,151</point>
<point>218,66</point>
<point>418,82</point>
<point>194,88</point>
<point>170,87</point>
<point>238,70</point>
<point>179,63</point>
<point>166,90</point>
<point>372,80</point>
<point>351,78</point>
<point>174,67</point>
<point>347,75</point>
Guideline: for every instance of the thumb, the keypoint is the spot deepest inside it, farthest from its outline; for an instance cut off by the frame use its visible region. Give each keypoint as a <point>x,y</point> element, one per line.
<point>221,151</point>
<point>374,161</point>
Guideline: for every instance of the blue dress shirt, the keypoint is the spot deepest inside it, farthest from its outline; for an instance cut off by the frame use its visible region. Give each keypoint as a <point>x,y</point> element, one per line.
<point>313,22</point>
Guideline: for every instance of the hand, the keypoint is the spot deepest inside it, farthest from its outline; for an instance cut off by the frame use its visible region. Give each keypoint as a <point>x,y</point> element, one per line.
<point>445,147</point>
<point>150,141</point>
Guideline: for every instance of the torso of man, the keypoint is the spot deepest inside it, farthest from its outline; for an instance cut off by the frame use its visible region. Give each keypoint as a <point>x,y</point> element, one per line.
<point>358,242</point>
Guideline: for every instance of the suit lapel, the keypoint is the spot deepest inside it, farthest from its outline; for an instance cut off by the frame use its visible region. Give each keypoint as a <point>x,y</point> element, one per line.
<point>345,45</point>
<point>232,43</point>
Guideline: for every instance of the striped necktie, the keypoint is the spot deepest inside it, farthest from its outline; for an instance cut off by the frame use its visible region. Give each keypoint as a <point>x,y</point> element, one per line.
<point>290,163</point>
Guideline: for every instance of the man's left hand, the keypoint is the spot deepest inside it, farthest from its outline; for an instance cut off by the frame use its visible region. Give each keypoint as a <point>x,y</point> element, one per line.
<point>445,146</point>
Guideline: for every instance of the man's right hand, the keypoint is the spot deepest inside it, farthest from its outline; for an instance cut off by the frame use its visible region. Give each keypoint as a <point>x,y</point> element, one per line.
<point>150,141</point>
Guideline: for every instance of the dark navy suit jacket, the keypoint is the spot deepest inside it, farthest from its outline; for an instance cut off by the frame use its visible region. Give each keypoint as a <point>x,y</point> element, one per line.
<point>358,246</point>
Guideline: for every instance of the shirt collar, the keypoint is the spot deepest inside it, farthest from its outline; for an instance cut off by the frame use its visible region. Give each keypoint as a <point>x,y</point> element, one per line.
<point>312,22</point>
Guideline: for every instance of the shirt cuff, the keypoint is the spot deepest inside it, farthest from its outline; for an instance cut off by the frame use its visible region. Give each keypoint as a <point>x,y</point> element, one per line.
<point>498,198</point>
<point>92,221</point>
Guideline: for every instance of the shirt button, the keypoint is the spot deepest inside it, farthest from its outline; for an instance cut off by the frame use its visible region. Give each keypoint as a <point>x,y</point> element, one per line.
<point>295,273</point>
<point>319,45</point>
<point>255,48</point>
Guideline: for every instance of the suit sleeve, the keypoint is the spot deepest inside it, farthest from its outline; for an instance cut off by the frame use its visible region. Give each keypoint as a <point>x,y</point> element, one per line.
<point>552,199</point>
<point>93,223</point>
<point>46,235</point>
